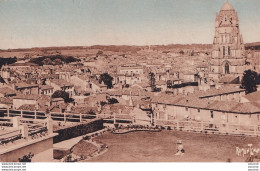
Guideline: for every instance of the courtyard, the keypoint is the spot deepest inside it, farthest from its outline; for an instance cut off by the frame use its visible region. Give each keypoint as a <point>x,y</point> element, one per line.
<point>161,147</point>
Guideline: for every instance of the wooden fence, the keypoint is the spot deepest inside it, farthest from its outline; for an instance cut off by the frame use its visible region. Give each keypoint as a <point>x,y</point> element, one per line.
<point>57,116</point>
<point>208,127</point>
<point>65,117</point>
<point>116,118</point>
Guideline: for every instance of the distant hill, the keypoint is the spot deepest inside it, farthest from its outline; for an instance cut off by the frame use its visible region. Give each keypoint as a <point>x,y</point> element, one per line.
<point>119,48</point>
<point>129,48</point>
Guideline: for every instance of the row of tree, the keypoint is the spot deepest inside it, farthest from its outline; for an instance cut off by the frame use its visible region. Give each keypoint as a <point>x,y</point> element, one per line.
<point>54,60</point>
<point>250,80</point>
<point>4,61</point>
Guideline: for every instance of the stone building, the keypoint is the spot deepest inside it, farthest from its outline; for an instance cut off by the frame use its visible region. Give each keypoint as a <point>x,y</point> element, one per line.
<point>228,56</point>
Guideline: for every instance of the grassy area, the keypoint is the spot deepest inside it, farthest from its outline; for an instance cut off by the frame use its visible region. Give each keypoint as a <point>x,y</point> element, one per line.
<point>59,154</point>
<point>84,148</point>
<point>161,147</point>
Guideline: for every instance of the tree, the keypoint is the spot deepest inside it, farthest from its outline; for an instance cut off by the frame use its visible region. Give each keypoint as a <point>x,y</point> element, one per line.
<point>152,81</point>
<point>112,101</point>
<point>4,61</point>
<point>99,53</point>
<point>103,103</point>
<point>57,61</point>
<point>107,79</point>
<point>249,81</point>
<point>62,94</point>
<point>26,158</point>
<point>47,61</point>
<point>181,52</point>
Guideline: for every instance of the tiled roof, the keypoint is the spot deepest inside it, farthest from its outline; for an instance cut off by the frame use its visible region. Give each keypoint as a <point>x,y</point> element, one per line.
<point>246,108</point>
<point>161,82</point>
<point>222,105</point>
<point>222,90</point>
<point>228,79</point>
<point>253,97</point>
<point>144,84</point>
<point>83,109</point>
<point>27,96</point>
<point>5,100</point>
<point>25,85</point>
<point>115,93</point>
<point>131,91</point>
<point>7,90</point>
<point>194,102</point>
<point>61,82</point>
<point>202,65</point>
<point>46,87</point>
<point>57,99</point>
<point>95,98</point>
<point>29,107</point>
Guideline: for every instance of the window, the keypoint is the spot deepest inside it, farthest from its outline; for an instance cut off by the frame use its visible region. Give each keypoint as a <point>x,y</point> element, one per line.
<point>224,50</point>
<point>186,108</point>
<point>227,68</point>
<point>229,50</point>
<point>205,79</point>
<point>211,114</point>
<point>199,110</point>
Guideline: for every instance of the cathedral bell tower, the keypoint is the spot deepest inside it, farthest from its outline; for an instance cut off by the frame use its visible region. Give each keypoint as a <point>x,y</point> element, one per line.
<point>227,56</point>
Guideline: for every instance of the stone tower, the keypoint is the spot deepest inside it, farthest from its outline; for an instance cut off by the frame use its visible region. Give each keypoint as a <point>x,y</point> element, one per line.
<point>228,47</point>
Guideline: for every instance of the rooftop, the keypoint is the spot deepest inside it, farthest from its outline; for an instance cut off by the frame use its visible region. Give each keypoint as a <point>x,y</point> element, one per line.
<point>194,102</point>
<point>61,82</point>
<point>227,6</point>
<point>27,96</point>
<point>7,91</point>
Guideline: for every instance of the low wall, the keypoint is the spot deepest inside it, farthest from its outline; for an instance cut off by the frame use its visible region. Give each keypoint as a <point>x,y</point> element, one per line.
<point>135,130</point>
<point>42,150</point>
<point>78,130</point>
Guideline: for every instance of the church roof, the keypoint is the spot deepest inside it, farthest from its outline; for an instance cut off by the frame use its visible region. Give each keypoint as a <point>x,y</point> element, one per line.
<point>227,6</point>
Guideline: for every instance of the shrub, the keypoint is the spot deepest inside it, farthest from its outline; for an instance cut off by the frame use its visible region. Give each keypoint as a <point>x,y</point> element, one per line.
<point>26,158</point>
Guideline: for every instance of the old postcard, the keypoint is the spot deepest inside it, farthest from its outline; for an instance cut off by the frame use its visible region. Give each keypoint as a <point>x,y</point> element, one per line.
<point>129,81</point>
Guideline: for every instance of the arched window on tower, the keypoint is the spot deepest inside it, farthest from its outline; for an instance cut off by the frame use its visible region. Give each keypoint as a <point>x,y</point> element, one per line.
<point>227,68</point>
<point>224,51</point>
<point>229,50</point>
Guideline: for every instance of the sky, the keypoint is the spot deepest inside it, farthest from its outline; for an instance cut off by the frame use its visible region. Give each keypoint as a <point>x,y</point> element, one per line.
<point>45,23</point>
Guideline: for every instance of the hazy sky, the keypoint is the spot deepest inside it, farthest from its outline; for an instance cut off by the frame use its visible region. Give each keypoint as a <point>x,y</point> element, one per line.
<point>38,23</point>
